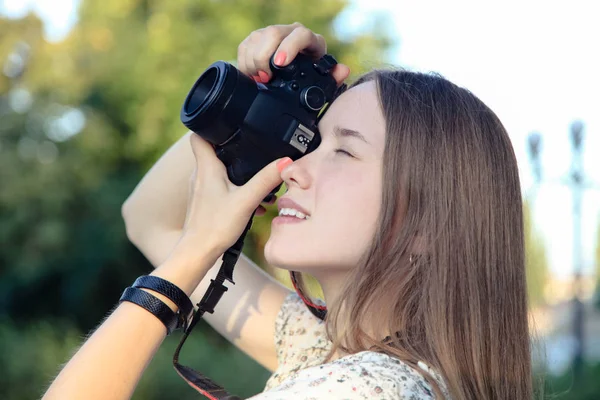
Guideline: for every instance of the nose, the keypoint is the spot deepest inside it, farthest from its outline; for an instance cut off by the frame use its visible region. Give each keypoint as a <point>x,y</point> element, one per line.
<point>298,174</point>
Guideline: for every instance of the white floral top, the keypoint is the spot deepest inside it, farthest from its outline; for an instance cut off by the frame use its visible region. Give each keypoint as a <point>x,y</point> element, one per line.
<point>302,346</point>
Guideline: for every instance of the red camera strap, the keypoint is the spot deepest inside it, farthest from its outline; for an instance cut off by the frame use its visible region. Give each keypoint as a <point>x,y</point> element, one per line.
<point>213,294</point>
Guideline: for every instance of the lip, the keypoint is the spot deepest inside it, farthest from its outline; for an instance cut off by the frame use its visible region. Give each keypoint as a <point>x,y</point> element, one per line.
<point>286,202</point>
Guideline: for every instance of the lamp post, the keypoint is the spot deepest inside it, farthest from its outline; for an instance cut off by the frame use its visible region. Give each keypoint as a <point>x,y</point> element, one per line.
<point>535,146</point>
<point>576,182</point>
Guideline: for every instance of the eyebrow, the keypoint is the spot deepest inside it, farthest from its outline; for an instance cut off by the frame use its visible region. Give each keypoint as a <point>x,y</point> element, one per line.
<point>339,131</point>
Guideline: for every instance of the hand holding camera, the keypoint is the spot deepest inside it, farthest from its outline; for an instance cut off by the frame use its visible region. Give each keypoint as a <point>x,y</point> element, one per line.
<point>218,210</point>
<point>252,121</point>
<point>285,41</point>
<point>242,125</point>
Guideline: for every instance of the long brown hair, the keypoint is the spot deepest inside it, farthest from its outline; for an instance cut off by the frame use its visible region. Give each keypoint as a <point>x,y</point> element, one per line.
<point>446,268</point>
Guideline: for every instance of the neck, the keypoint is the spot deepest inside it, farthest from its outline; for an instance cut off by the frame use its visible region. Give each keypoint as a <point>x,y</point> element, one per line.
<point>332,286</point>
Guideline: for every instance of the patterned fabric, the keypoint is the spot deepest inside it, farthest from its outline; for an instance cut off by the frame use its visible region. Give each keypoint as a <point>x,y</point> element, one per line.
<point>302,345</point>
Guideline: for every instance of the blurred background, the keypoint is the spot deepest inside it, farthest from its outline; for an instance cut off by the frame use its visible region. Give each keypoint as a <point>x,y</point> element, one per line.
<point>90,93</point>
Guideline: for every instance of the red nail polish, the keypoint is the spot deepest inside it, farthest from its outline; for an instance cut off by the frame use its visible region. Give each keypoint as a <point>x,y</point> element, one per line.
<point>256,78</point>
<point>280,58</point>
<point>284,162</point>
<point>264,77</point>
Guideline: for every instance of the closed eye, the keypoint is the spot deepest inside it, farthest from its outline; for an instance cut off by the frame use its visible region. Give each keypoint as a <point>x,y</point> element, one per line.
<point>343,151</point>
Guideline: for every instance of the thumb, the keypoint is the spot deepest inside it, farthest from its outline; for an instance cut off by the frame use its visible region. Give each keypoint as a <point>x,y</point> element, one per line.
<point>340,72</point>
<point>257,188</point>
<point>201,147</point>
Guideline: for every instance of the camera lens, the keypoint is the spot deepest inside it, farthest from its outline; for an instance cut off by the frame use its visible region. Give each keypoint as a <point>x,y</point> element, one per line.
<point>218,102</point>
<point>201,91</point>
<point>313,98</point>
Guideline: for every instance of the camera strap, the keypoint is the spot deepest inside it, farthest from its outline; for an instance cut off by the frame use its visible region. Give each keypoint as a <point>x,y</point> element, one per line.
<point>213,294</point>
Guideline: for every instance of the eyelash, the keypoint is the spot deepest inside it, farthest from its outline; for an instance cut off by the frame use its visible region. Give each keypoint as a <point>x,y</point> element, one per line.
<point>344,152</point>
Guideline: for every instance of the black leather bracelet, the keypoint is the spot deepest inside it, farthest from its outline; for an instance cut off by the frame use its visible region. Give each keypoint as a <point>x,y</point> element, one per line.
<point>153,305</point>
<point>174,293</point>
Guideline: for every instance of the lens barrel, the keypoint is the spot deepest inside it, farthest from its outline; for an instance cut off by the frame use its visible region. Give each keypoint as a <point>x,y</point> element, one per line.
<point>218,102</point>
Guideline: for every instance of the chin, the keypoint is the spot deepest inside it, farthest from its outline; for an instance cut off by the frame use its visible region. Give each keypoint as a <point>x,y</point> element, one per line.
<point>310,260</point>
<point>288,257</point>
<point>278,256</point>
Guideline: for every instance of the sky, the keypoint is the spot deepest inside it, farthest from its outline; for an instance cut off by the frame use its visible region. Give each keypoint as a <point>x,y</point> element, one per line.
<point>535,63</point>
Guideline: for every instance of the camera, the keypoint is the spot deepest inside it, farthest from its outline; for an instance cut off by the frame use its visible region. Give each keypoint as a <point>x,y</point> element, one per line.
<point>251,124</point>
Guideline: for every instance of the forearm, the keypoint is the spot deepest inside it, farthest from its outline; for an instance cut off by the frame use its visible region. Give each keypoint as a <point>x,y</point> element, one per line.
<point>111,362</point>
<point>159,201</point>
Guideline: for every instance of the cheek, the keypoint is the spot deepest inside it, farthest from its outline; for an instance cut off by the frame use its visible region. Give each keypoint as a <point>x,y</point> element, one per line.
<point>352,197</point>
<point>347,202</point>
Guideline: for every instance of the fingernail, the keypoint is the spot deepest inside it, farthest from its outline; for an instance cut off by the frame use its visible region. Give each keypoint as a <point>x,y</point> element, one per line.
<point>264,77</point>
<point>280,58</point>
<point>284,162</point>
<point>256,78</point>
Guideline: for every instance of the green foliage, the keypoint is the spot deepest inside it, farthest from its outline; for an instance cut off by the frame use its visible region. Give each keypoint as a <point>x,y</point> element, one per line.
<point>536,262</point>
<point>64,255</point>
<point>564,387</point>
<point>30,358</point>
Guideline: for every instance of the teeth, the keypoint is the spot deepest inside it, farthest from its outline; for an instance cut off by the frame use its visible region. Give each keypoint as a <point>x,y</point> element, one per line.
<point>293,213</point>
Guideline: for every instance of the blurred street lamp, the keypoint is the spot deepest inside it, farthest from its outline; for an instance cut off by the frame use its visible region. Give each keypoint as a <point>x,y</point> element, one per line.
<point>577,134</point>
<point>577,188</point>
<point>577,184</point>
<point>535,145</point>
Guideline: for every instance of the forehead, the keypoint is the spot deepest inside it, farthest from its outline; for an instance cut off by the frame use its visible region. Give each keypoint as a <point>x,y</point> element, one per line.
<point>358,109</point>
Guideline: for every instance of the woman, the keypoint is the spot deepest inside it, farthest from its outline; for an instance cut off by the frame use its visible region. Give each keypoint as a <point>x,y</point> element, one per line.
<point>414,232</point>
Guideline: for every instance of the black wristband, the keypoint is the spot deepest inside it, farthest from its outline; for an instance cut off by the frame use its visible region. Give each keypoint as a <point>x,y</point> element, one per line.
<point>174,293</point>
<point>153,305</point>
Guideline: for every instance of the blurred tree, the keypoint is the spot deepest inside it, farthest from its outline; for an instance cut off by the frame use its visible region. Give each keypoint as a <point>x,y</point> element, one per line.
<point>536,262</point>
<point>81,121</point>
<point>562,387</point>
<point>104,104</point>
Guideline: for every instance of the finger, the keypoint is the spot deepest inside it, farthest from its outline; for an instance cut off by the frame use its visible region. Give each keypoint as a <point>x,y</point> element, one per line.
<point>261,184</point>
<point>207,161</point>
<point>301,39</point>
<point>250,66</point>
<point>340,72</point>
<point>260,210</point>
<point>200,147</point>
<point>241,57</point>
<point>271,38</point>
<point>252,42</point>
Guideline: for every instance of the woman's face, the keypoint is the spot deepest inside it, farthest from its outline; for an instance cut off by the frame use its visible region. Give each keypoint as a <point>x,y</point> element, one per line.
<point>340,192</point>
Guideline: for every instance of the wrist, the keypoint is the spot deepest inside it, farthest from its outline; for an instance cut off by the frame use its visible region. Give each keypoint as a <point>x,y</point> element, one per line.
<point>162,298</point>
<point>187,266</point>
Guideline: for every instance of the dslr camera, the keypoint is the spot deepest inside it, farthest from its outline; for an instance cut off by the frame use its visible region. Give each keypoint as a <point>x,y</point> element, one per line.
<point>251,124</point>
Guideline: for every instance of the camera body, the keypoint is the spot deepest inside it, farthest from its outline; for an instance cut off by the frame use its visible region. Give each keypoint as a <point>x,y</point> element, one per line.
<point>251,124</point>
